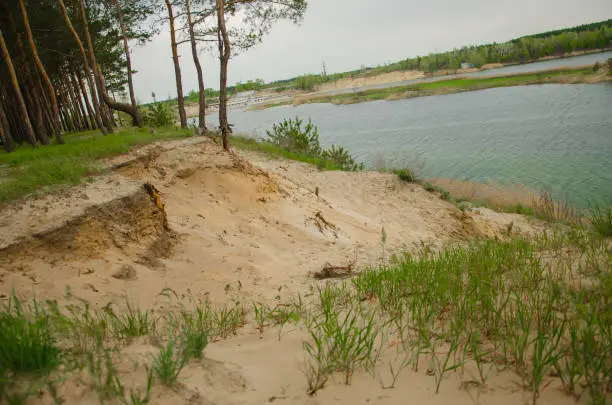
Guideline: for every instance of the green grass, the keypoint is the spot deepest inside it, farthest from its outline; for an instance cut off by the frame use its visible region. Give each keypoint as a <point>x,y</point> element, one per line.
<point>601,219</point>
<point>45,344</point>
<point>43,169</point>
<point>540,308</point>
<point>454,86</point>
<point>169,363</point>
<point>27,341</point>
<point>488,306</point>
<point>407,175</point>
<point>272,150</point>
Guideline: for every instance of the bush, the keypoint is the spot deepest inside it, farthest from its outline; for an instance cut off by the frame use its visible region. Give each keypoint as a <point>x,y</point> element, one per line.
<point>303,142</point>
<point>342,158</point>
<point>159,115</point>
<point>407,175</point>
<point>290,136</point>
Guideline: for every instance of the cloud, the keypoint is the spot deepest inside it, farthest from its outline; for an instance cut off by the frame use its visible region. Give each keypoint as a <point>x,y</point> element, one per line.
<point>346,34</point>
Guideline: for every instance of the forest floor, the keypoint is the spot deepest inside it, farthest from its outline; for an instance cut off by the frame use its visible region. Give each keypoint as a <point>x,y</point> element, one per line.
<point>178,236</point>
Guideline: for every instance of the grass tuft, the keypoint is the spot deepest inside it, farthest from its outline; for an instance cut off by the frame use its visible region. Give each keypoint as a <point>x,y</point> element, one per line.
<point>407,175</point>
<point>27,341</point>
<point>169,363</point>
<point>601,219</point>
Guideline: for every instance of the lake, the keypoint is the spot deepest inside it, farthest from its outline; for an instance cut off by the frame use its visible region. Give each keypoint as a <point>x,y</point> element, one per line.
<point>534,67</point>
<point>551,137</point>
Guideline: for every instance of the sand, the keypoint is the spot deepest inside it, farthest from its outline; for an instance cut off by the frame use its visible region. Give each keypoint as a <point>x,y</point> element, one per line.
<point>391,77</point>
<point>237,227</point>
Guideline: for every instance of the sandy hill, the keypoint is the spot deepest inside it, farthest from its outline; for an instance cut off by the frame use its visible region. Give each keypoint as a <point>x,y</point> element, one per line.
<point>233,227</point>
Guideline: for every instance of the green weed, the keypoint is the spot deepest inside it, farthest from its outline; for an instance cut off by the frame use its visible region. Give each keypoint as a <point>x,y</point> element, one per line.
<point>169,363</point>
<point>133,322</point>
<point>407,175</point>
<point>601,219</point>
<point>27,339</point>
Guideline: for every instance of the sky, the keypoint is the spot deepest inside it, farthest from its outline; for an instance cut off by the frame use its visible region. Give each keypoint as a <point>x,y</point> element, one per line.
<point>349,34</point>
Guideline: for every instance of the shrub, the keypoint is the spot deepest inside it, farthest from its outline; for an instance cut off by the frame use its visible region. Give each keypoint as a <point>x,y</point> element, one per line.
<point>159,115</point>
<point>407,175</point>
<point>290,136</point>
<point>342,158</point>
<point>302,143</point>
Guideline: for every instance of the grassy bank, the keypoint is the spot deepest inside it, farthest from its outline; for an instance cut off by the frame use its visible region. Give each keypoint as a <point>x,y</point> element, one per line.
<point>274,151</point>
<point>536,311</point>
<point>451,86</point>
<point>43,169</point>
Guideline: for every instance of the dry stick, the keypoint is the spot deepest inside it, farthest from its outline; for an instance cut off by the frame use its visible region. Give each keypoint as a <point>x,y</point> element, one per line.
<point>177,68</point>
<point>31,138</point>
<point>43,72</point>
<point>88,71</point>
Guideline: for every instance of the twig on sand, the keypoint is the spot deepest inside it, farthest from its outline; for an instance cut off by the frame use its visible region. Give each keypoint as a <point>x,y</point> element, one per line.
<point>330,271</point>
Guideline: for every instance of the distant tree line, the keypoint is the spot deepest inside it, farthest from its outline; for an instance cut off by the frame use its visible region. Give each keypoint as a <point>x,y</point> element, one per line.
<point>554,43</point>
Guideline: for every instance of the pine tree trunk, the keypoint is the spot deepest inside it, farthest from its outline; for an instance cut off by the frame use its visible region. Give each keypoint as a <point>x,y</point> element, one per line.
<point>196,61</point>
<point>75,95</point>
<point>5,135</point>
<point>177,68</point>
<point>94,67</point>
<point>80,83</point>
<point>126,108</point>
<point>118,114</point>
<point>224,55</point>
<point>88,71</point>
<point>29,131</point>
<point>37,116</point>
<point>43,73</point>
<point>137,117</point>
<point>79,119</point>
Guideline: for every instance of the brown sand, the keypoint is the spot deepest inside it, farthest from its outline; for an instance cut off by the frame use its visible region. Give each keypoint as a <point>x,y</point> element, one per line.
<point>391,77</point>
<point>237,230</point>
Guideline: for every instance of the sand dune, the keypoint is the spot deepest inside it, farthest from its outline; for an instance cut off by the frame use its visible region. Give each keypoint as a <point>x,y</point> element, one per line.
<point>236,227</point>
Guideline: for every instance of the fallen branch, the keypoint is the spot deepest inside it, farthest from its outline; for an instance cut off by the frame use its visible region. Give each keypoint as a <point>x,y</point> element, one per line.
<point>330,271</point>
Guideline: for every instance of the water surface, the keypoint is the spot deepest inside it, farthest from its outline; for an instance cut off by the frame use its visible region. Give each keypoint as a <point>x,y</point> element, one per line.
<point>550,137</point>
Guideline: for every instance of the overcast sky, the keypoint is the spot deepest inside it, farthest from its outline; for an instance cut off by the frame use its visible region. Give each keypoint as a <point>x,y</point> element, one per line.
<point>348,34</point>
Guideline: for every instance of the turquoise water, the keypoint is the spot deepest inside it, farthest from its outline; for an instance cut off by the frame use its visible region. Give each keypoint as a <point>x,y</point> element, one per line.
<point>556,138</point>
